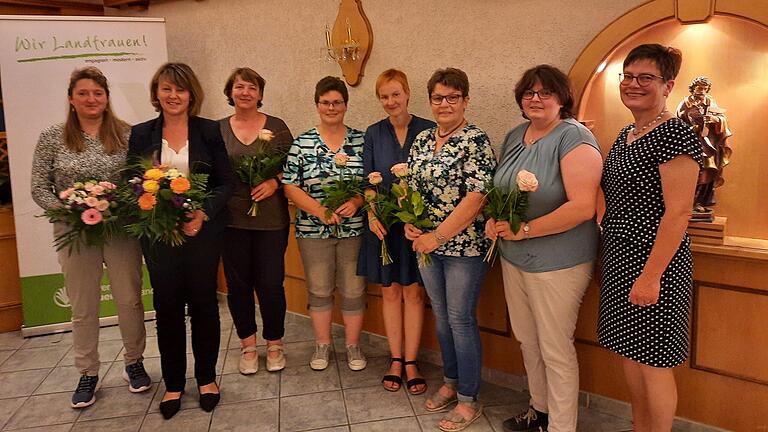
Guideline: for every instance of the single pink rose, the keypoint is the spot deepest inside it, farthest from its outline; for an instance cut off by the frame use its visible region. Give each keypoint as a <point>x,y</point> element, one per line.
<point>97,190</point>
<point>66,193</point>
<point>375,178</point>
<point>341,159</point>
<point>91,201</point>
<point>527,181</point>
<point>400,170</point>
<point>107,185</point>
<point>91,216</point>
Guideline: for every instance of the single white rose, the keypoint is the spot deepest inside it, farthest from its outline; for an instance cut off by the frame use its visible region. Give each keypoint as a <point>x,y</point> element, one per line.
<point>266,135</point>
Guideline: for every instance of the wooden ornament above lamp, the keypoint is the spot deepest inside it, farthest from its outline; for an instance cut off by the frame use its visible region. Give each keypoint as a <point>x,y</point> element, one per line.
<point>349,43</point>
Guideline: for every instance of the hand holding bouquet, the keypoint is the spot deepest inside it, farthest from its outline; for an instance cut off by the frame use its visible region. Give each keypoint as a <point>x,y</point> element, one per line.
<point>410,206</point>
<point>509,206</point>
<point>343,188</point>
<point>383,207</point>
<point>161,201</point>
<point>89,209</point>
<point>260,167</point>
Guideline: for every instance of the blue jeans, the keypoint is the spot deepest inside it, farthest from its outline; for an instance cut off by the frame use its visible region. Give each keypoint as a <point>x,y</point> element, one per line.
<point>453,285</point>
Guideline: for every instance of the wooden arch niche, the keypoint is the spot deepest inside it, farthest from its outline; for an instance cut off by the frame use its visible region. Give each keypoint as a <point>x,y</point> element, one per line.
<point>726,40</point>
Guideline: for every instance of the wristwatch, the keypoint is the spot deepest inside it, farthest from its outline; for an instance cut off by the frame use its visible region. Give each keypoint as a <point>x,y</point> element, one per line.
<point>526,231</point>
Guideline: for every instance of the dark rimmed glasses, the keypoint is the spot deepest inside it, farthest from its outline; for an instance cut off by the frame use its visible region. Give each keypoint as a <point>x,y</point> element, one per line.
<point>452,99</point>
<point>643,80</point>
<point>543,94</point>
<point>327,104</point>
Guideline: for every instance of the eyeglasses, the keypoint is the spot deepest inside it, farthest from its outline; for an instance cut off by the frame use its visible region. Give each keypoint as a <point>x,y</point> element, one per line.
<point>452,99</point>
<point>544,94</point>
<point>328,104</point>
<point>643,80</point>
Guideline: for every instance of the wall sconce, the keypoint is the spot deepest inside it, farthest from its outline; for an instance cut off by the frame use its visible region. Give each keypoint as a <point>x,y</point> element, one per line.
<point>349,43</point>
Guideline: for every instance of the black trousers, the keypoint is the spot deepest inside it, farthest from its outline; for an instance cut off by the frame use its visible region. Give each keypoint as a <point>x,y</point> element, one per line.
<point>254,261</point>
<point>186,276</point>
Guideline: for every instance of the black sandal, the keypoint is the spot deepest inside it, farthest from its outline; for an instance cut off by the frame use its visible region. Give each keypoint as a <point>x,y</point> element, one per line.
<point>413,382</point>
<point>396,379</point>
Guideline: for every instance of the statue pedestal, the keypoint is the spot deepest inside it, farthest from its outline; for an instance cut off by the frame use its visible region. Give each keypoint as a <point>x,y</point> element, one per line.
<point>708,232</point>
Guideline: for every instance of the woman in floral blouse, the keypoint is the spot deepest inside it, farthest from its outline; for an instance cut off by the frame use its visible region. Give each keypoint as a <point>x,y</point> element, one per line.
<point>450,166</point>
<point>329,239</point>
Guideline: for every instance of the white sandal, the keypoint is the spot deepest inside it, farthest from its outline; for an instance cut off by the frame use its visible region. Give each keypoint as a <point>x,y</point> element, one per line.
<point>277,363</point>
<point>248,367</point>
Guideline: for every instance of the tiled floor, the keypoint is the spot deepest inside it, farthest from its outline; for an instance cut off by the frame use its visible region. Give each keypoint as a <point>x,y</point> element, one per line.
<point>37,377</point>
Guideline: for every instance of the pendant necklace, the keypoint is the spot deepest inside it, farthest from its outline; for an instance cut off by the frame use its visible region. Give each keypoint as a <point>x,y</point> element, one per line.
<point>636,132</point>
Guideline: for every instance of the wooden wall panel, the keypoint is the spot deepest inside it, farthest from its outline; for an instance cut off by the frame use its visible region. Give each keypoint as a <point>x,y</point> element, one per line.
<point>730,334</point>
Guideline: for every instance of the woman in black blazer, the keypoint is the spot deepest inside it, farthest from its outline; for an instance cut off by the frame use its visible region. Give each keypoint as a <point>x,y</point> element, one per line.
<point>186,275</point>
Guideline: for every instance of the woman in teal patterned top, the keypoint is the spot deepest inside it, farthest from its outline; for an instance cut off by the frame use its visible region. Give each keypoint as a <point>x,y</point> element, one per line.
<point>450,166</point>
<point>329,244</point>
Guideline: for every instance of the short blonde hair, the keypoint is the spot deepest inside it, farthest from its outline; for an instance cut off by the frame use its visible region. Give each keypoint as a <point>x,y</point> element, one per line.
<point>181,75</point>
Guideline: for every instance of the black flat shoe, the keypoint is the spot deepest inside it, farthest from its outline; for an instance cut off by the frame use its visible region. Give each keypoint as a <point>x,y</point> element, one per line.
<point>413,382</point>
<point>208,401</point>
<point>170,407</point>
<point>396,379</point>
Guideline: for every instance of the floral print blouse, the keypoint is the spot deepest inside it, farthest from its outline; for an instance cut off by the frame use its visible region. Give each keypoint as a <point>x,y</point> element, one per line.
<point>464,164</point>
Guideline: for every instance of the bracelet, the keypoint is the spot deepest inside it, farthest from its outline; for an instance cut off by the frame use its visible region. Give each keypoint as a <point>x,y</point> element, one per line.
<point>277,179</point>
<point>441,239</point>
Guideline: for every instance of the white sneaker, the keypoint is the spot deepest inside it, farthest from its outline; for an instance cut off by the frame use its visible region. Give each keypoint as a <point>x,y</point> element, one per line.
<point>277,363</point>
<point>248,367</point>
<point>355,358</point>
<point>320,358</point>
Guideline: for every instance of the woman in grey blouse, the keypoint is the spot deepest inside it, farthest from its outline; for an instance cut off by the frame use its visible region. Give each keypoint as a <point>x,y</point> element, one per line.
<point>547,265</point>
<point>92,144</point>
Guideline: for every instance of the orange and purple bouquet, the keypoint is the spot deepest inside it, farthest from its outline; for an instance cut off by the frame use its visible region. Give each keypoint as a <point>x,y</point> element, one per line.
<point>89,209</point>
<point>159,202</point>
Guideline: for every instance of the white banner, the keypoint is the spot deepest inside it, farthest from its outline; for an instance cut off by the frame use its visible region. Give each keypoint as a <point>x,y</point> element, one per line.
<point>37,56</point>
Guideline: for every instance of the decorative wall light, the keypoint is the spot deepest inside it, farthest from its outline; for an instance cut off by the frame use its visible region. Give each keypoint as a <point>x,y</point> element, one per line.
<point>349,42</point>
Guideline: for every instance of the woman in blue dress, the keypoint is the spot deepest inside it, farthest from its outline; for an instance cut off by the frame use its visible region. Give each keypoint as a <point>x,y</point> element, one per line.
<point>387,143</point>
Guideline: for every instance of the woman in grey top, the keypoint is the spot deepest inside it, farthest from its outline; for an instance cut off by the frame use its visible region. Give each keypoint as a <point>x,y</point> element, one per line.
<point>547,265</point>
<point>253,259</point>
<point>92,145</point>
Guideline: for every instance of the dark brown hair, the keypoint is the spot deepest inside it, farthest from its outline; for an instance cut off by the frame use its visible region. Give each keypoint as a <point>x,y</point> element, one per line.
<point>449,77</point>
<point>182,76</point>
<point>112,129</point>
<point>331,83</point>
<point>667,59</point>
<point>550,78</point>
<point>245,74</point>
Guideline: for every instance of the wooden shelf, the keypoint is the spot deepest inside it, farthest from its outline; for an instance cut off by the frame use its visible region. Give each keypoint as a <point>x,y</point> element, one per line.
<point>736,247</point>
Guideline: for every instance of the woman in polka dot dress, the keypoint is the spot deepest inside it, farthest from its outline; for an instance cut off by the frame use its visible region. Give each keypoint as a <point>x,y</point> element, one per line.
<point>649,180</point>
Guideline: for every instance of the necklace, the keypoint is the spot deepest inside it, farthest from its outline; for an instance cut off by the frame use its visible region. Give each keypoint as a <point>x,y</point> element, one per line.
<point>449,133</point>
<point>636,132</point>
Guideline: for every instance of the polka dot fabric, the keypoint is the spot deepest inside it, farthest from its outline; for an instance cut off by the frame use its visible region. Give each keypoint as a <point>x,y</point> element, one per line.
<point>655,335</point>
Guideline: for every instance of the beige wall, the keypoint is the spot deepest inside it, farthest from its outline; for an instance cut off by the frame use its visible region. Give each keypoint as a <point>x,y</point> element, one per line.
<point>494,41</point>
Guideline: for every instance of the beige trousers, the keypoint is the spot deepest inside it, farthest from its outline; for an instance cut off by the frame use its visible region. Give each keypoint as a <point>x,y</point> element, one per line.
<point>543,308</point>
<point>82,277</point>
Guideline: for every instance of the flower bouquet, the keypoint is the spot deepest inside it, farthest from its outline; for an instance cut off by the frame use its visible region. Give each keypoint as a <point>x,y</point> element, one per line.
<point>410,206</point>
<point>383,206</point>
<point>89,209</point>
<point>256,169</point>
<point>509,206</point>
<point>343,188</point>
<point>159,203</point>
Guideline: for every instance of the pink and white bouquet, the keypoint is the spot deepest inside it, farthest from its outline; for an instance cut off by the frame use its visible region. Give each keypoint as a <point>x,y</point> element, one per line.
<point>89,209</point>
